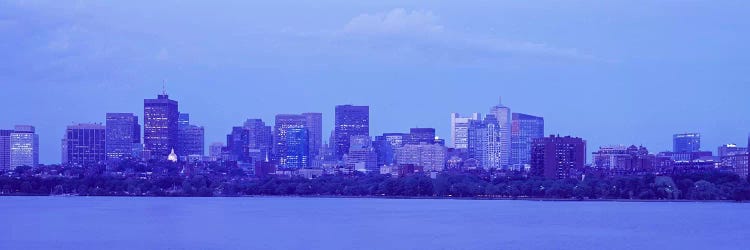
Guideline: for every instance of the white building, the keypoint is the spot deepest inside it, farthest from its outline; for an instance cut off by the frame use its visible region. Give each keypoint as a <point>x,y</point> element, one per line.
<point>460,130</point>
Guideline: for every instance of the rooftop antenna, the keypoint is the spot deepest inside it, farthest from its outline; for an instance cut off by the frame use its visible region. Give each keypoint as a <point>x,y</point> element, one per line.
<point>164,87</point>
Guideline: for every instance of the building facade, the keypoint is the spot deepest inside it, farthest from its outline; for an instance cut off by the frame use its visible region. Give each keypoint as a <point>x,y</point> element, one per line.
<point>431,157</point>
<point>285,122</point>
<point>485,142</point>
<point>261,139</point>
<point>84,144</point>
<point>556,157</point>
<point>421,135</point>
<point>298,146</point>
<point>160,126</point>
<point>24,147</point>
<point>524,129</point>
<point>350,121</point>
<point>123,136</point>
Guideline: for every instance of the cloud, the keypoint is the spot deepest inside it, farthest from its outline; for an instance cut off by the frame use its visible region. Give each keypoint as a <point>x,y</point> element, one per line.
<point>396,21</point>
<point>421,30</point>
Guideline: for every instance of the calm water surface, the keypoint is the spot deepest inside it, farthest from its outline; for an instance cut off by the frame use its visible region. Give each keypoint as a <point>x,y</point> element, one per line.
<point>339,223</point>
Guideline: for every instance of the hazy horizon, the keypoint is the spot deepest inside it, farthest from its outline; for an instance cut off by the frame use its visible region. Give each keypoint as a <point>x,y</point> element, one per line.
<point>615,72</point>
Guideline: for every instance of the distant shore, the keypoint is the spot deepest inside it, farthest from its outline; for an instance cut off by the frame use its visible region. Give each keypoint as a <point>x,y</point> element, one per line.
<point>398,198</point>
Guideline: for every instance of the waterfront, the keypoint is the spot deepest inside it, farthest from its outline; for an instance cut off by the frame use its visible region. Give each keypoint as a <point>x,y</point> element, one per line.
<point>350,223</point>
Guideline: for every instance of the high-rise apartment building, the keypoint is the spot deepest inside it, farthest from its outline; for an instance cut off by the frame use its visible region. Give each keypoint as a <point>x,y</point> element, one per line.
<point>556,157</point>
<point>297,151</point>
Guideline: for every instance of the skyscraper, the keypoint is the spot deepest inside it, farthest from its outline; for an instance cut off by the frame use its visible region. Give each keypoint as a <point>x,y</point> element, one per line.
<point>503,116</point>
<point>237,144</point>
<point>556,157</point>
<point>24,147</point>
<point>314,127</point>
<point>484,143</point>
<point>460,130</point>
<point>297,152</point>
<point>284,122</point>
<point>686,143</point>
<point>123,135</point>
<point>524,129</point>
<point>84,144</point>
<point>350,121</point>
<point>160,126</point>
<point>190,138</point>
<point>5,149</point>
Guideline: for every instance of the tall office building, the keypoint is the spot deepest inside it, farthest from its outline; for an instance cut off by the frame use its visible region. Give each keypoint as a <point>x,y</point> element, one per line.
<point>284,122</point>
<point>190,138</point>
<point>460,130</point>
<point>5,149</point>
<point>686,143</point>
<point>160,126</point>
<point>297,152</point>
<point>350,121</point>
<point>556,157</point>
<point>24,147</point>
<point>503,116</point>
<point>314,127</point>
<point>261,139</point>
<point>524,129</point>
<point>123,136</point>
<point>84,144</point>
<point>421,135</point>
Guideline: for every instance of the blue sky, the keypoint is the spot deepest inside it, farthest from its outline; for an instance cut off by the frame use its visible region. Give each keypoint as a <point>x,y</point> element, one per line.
<point>612,72</point>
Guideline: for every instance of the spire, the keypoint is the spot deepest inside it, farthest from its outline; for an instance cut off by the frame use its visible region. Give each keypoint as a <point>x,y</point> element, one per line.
<point>164,87</point>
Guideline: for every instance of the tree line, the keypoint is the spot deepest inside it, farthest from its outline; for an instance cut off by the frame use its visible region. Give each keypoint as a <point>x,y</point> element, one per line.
<point>713,185</point>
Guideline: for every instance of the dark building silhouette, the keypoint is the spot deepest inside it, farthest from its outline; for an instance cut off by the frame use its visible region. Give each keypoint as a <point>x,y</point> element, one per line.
<point>686,143</point>
<point>350,121</point>
<point>190,138</point>
<point>261,139</point>
<point>556,157</point>
<point>237,144</point>
<point>160,126</point>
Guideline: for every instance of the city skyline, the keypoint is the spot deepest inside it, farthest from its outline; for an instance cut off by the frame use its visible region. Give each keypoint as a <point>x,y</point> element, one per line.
<point>303,116</point>
<point>628,85</point>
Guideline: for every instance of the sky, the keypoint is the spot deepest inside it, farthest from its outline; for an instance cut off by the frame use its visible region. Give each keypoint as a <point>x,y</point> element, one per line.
<point>611,72</point>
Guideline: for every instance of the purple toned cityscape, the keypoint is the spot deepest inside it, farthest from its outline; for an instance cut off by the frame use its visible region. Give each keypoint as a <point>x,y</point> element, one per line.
<point>293,145</point>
